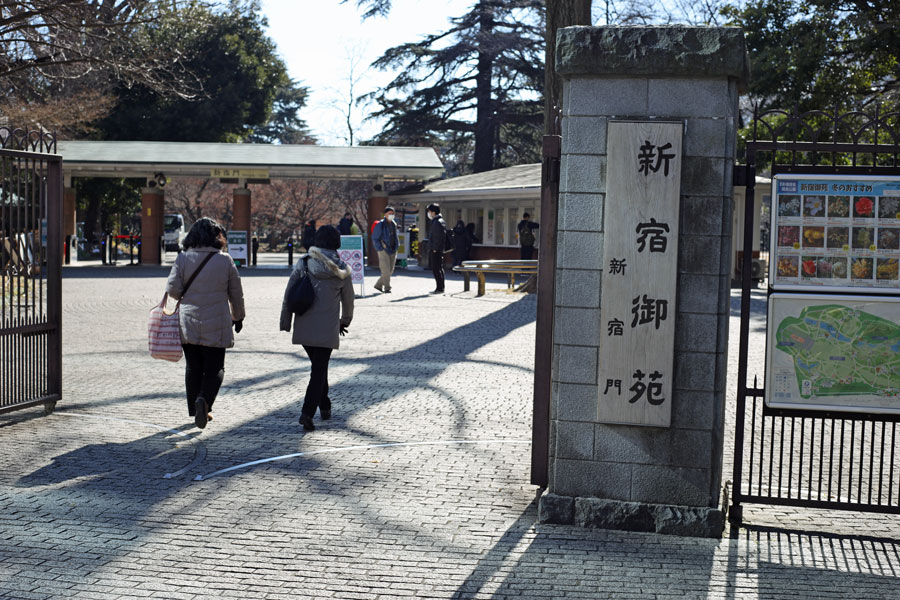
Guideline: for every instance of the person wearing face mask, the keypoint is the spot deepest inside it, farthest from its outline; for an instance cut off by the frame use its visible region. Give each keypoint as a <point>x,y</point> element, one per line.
<point>437,237</point>
<point>386,242</point>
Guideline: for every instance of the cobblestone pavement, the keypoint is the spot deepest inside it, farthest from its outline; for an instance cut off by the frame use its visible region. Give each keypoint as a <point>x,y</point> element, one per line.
<point>418,487</point>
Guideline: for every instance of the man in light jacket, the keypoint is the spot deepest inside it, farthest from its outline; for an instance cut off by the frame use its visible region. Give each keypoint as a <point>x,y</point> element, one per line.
<point>386,242</point>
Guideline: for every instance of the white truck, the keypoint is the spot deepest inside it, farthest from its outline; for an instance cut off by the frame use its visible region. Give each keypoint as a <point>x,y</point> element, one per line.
<point>173,232</point>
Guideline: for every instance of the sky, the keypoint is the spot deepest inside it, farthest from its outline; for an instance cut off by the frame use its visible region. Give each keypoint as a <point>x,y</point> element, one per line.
<point>323,41</point>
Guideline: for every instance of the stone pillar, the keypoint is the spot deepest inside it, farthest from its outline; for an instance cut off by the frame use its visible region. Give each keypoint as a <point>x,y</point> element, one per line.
<point>68,224</point>
<point>153,201</point>
<point>664,478</point>
<point>375,211</point>
<point>241,221</point>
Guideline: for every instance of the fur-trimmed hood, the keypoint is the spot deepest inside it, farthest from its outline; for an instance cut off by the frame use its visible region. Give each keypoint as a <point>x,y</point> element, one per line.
<point>326,264</point>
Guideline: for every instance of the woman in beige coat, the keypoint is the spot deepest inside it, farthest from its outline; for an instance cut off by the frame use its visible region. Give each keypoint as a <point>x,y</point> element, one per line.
<point>212,304</point>
<point>319,329</point>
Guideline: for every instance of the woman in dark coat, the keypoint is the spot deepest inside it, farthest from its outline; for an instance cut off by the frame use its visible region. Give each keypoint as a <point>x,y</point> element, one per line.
<point>319,329</point>
<point>459,243</point>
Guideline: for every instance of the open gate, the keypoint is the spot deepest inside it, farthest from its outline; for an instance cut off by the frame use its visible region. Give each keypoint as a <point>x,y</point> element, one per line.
<point>822,456</point>
<point>30,270</point>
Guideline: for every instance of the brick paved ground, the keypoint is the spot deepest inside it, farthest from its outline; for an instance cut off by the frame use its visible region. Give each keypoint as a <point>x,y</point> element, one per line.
<point>86,510</point>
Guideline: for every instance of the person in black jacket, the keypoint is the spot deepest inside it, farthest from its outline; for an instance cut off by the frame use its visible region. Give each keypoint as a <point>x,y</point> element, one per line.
<point>460,243</point>
<point>309,235</point>
<point>345,225</point>
<point>436,239</point>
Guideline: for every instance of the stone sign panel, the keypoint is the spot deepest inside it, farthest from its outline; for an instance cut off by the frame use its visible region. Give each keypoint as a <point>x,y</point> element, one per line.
<point>640,266</point>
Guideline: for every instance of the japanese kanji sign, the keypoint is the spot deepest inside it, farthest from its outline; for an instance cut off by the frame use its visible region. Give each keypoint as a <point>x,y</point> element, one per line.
<point>640,256</point>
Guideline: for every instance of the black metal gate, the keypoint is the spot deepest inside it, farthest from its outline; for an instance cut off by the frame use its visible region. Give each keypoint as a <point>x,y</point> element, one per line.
<point>819,459</point>
<point>30,270</point>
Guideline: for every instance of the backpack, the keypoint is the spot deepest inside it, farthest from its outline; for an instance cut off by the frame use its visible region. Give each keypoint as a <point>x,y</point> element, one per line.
<point>301,295</point>
<point>449,239</point>
<point>526,235</point>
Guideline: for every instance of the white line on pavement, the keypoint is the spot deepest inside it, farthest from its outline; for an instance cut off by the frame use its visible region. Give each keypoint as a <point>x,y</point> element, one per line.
<point>349,448</point>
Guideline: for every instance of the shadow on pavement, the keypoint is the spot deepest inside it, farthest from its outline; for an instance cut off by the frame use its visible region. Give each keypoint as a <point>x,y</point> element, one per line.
<point>793,562</point>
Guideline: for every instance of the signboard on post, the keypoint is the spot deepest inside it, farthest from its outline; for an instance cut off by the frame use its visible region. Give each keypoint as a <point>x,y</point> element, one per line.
<point>237,247</point>
<point>351,252</point>
<point>832,233</point>
<point>403,246</point>
<point>834,352</point>
<point>640,265</point>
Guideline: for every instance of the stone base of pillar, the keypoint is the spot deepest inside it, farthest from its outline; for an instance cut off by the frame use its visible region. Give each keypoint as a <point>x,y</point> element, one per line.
<point>600,513</point>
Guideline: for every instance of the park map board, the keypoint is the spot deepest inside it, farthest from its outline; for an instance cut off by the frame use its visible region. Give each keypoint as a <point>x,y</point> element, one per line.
<point>834,352</point>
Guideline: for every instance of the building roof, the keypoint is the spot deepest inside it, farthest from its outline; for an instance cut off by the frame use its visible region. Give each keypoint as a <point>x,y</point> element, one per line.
<point>512,182</point>
<point>198,159</point>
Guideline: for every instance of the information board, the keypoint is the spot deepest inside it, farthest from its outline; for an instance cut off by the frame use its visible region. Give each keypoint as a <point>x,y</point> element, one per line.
<point>351,252</point>
<point>640,266</point>
<point>237,246</point>
<point>834,352</point>
<point>835,233</point>
<point>402,247</point>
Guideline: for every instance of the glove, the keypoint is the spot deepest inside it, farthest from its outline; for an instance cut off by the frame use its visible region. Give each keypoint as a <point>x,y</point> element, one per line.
<point>343,330</point>
<point>238,325</point>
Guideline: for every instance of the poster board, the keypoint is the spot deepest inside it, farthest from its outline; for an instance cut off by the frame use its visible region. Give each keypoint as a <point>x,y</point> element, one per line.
<point>237,246</point>
<point>833,352</point>
<point>835,233</point>
<point>403,247</point>
<point>351,252</point>
<point>640,266</point>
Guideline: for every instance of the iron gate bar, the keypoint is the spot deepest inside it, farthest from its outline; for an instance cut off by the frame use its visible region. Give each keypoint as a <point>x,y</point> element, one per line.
<point>858,492</point>
<point>30,276</point>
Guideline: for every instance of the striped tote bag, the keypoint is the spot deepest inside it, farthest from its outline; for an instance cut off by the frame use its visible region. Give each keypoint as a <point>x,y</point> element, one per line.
<point>165,332</point>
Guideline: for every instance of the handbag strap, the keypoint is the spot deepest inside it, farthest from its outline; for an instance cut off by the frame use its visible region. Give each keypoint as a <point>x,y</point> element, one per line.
<point>197,272</point>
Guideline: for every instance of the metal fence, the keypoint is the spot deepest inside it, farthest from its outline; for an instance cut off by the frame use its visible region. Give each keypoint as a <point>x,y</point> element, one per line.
<point>30,270</point>
<point>819,459</point>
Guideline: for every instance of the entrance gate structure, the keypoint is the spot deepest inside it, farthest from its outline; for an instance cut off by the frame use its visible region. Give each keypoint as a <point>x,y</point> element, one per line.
<point>818,456</point>
<point>30,270</point>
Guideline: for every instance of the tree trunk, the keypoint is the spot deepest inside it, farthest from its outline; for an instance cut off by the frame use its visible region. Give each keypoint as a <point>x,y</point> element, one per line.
<point>484,111</point>
<point>560,13</point>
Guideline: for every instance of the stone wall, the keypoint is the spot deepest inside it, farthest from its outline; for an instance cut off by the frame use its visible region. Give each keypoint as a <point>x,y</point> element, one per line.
<point>605,79</point>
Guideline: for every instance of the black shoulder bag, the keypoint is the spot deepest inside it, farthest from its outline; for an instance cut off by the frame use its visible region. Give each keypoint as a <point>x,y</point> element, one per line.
<point>301,294</point>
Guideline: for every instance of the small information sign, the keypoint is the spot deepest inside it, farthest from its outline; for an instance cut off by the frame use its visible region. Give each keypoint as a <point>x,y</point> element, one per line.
<point>831,233</point>
<point>640,265</point>
<point>833,352</point>
<point>226,173</point>
<point>237,247</point>
<point>402,248</point>
<point>351,252</point>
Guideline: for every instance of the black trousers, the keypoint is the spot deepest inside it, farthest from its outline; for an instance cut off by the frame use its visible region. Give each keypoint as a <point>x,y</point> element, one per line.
<point>527,252</point>
<point>437,269</point>
<point>317,389</point>
<point>203,373</point>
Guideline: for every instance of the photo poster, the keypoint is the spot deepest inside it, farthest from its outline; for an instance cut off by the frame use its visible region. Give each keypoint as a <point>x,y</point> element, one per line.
<point>237,247</point>
<point>835,233</point>
<point>351,252</point>
<point>833,352</point>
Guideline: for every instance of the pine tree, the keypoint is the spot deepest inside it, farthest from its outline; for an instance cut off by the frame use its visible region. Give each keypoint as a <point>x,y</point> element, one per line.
<point>481,79</point>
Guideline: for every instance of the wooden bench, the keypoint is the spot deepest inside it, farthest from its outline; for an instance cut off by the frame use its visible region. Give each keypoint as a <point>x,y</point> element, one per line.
<point>506,267</point>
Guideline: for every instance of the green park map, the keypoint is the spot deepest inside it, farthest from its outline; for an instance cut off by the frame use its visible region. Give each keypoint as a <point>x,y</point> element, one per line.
<point>842,351</point>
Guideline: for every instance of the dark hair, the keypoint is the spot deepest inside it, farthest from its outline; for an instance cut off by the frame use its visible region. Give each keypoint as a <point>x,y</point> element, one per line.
<point>526,216</point>
<point>204,233</point>
<point>388,209</point>
<point>328,238</point>
<point>346,214</point>
<point>435,208</point>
